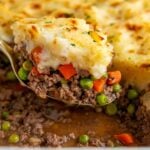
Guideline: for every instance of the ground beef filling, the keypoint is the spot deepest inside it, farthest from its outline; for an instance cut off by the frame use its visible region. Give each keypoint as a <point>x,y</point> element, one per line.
<point>137,120</point>
<point>71,91</point>
<point>39,122</point>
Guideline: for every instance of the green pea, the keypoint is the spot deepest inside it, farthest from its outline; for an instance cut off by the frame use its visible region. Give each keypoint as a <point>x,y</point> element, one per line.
<point>14,138</point>
<point>83,139</point>
<point>27,65</point>
<point>131,109</point>
<point>5,114</point>
<point>105,75</point>
<point>11,76</point>
<point>86,83</point>
<point>23,74</point>
<point>111,109</point>
<point>132,94</point>
<point>5,125</point>
<point>102,99</point>
<point>63,81</point>
<point>116,88</point>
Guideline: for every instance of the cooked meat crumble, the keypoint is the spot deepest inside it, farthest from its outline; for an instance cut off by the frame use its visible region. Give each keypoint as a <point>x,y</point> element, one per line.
<point>38,122</point>
<point>71,91</point>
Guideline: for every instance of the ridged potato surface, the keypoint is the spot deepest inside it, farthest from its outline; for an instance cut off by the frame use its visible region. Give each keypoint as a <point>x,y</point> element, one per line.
<point>126,23</point>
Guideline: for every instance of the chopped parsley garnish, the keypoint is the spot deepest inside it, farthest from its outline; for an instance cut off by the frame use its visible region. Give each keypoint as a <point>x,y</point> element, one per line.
<point>87,16</point>
<point>111,24</point>
<point>68,29</point>
<point>73,44</point>
<point>85,32</point>
<point>48,21</point>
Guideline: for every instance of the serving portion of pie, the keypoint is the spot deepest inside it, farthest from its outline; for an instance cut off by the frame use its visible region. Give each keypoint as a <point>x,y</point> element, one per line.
<point>69,59</point>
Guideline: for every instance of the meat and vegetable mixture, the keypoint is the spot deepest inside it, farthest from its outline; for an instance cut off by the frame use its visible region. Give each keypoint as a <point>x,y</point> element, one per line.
<point>26,120</point>
<point>57,124</point>
<point>81,88</point>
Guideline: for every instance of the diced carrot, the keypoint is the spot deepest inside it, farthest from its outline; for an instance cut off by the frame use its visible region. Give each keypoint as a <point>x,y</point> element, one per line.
<point>67,70</point>
<point>35,72</point>
<point>125,138</point>
<point>36,54</point>
<point>114,77</point>
<point>99,84</point>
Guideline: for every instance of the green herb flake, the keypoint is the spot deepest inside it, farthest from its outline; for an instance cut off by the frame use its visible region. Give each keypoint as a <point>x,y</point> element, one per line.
<point>89,32</point>
<point>73,44</point>
<point>68,29</point>
<point>85,32</point>
<point>87,16</point>
<point>111,24</point>
<point>48,21</point>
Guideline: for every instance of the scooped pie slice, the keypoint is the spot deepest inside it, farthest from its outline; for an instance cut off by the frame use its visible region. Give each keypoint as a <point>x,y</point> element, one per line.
<point>65,58</point>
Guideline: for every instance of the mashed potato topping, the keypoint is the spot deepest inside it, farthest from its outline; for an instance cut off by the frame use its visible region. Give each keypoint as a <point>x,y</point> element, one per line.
<point>63,41</point>
<point>126,23</point>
